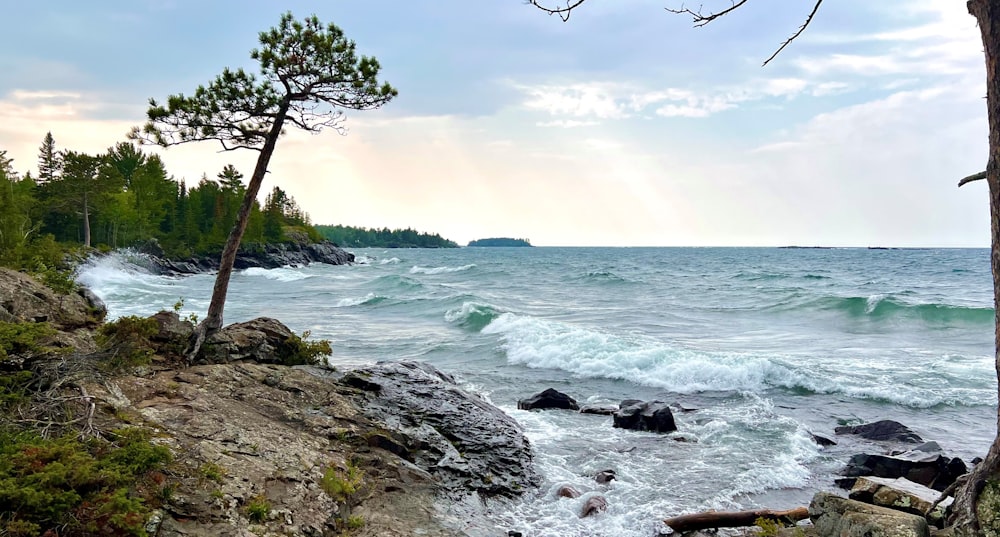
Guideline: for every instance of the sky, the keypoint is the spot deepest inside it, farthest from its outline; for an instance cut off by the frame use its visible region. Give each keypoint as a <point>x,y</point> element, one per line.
<point>624,126</point>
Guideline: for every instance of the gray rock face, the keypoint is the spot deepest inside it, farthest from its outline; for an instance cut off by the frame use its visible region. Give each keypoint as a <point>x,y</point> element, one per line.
<point>834,516</point>
<point>548,398</point>
<point>882,431</point>
<point>267,256</point>
<point>261,340</point>
<point>902,495</point>
<point>645,416</point>
<point>467,443</point>
<point>932,470</point>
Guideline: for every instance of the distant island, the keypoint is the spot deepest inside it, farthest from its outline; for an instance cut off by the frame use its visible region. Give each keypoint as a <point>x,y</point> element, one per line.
<point>356,237</point>
<point>500,241</point>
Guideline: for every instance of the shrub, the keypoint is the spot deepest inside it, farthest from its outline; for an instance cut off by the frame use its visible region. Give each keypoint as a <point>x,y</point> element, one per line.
<point>344,487</point>
<point>76,488</point>
<point>298,351</point>
<point>23,339</point>
<point>128,341</point>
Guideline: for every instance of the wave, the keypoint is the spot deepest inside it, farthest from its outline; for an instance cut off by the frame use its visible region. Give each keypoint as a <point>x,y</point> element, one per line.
<point>389,261</point>
<point>883,307</point>
<point>586,353</point>
<point>283,274</point>
<point>396,282</point>
<point>602,276</point>
<point>440,270</point>
<point>121,268</point>
<point>473,315</point>
<point>367,300</point>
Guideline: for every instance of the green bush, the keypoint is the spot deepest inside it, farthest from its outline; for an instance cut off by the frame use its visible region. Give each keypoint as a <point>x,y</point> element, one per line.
<point>76,488</point>
<point>298,351</point>
<point>14,389</point>
<point>128,341</point>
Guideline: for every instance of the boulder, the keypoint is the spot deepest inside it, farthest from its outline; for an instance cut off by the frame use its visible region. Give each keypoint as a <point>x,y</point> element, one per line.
<point>567,491</point>
<point>549,398</point>
<point>467,443</point>
<point>822,440</point>
<point>263,340</point>
<point>932,470</point>
<point>882,431</point>
<point>605,477</point>
<point>597,409</point>
<point>834,516</point>
<point>593,505</point>
<point>22,299</point>
<point>900,494</point>
<point>652,416</point>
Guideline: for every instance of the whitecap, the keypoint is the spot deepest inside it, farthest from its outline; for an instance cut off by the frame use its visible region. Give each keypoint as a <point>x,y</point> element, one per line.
<point>283,274</point>
<point>440,270</point>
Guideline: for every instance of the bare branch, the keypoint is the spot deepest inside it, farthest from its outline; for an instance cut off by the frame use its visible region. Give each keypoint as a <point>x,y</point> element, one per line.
<point>973,177</point>
<point>563,12</point>
<point>699,19</point>
<point>796,34</point>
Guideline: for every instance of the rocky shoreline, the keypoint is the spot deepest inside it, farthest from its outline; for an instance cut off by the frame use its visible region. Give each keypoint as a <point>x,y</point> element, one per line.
<point>266,256</point>
<point>431,456</point>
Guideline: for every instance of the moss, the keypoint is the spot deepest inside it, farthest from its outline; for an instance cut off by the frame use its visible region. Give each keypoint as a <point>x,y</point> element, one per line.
<point>78,488</point>
<point>212,472</point>
<point>23,339</point>
<point>988,509</point>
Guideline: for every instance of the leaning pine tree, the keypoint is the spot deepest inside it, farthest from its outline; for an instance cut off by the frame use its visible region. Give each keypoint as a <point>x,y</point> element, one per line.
<point>310,73</point>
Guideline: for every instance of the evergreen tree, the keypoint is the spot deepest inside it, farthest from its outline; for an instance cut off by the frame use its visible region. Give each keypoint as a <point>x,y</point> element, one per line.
<point>49,160</point>
<point>310,72</point>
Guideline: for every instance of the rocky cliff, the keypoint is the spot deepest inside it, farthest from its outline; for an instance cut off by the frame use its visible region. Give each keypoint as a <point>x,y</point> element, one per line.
<point>255,442</point>
<point>263,256</point>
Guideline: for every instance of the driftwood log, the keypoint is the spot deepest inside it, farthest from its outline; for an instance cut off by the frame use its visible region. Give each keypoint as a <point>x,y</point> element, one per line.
<point>733,519</point>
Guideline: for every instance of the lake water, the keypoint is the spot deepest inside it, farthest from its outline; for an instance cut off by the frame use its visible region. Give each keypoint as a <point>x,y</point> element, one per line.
<point>770,345</point>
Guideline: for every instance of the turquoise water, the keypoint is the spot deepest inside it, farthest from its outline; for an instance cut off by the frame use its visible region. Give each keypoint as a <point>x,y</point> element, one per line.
<point>769,344</point>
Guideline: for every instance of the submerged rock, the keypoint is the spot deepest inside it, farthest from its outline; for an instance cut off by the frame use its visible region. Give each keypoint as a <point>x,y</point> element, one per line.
<point>465,442</point>
<point>652,416</point>
<point>593,505</point>
<point>548,398</point>
<point>598,409</point>
<point>882,431</point>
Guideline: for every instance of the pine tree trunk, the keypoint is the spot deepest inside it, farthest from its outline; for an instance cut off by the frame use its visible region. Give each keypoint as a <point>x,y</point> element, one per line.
<point>86,221</point>
<point>213,319</point>
<point>975,511</point>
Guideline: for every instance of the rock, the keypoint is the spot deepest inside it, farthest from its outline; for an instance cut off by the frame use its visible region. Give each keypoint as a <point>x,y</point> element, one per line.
<point>548,398</point>
<point>605,476</point>
<point>900,494</point>
<point>22,299</point>
<point>593,505</point>
<point>98,309</point>
<point>822,440</point>
<point>645,416</point>
<point>882,431</point>
<point>596,409</point>
<point>171,329</point>
<point>834,516</point>
<point>931,470</point>
<point>271,441</point>
<point>254,255</point>
<point>262,340</point>
<point>466,443</point>
<point>567,491</point>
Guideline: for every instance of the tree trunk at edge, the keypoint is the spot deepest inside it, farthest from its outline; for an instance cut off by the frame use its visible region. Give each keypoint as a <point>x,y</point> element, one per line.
<point>213,319</point>
<point>86,221</point>
<point>975,511</point>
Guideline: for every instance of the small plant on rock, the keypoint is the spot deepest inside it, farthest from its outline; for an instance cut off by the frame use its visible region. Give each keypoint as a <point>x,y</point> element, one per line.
<point>344,486</point>
<point>258,508</point>
<point>299,351</point>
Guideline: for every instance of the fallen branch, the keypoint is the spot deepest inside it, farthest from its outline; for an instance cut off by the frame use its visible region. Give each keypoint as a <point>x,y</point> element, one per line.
<point>733,519</point>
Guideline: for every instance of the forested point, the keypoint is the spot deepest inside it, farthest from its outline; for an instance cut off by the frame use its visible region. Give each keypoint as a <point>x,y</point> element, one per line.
<point>500,241</point>
<point>126,197</point>
<point>357,237</point>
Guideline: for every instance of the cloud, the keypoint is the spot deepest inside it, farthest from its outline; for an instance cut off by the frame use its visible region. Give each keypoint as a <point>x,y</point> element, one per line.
<point>567,123</point>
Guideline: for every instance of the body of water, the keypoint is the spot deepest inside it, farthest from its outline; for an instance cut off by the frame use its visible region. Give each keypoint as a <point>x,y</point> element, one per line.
<point>769,345</point>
